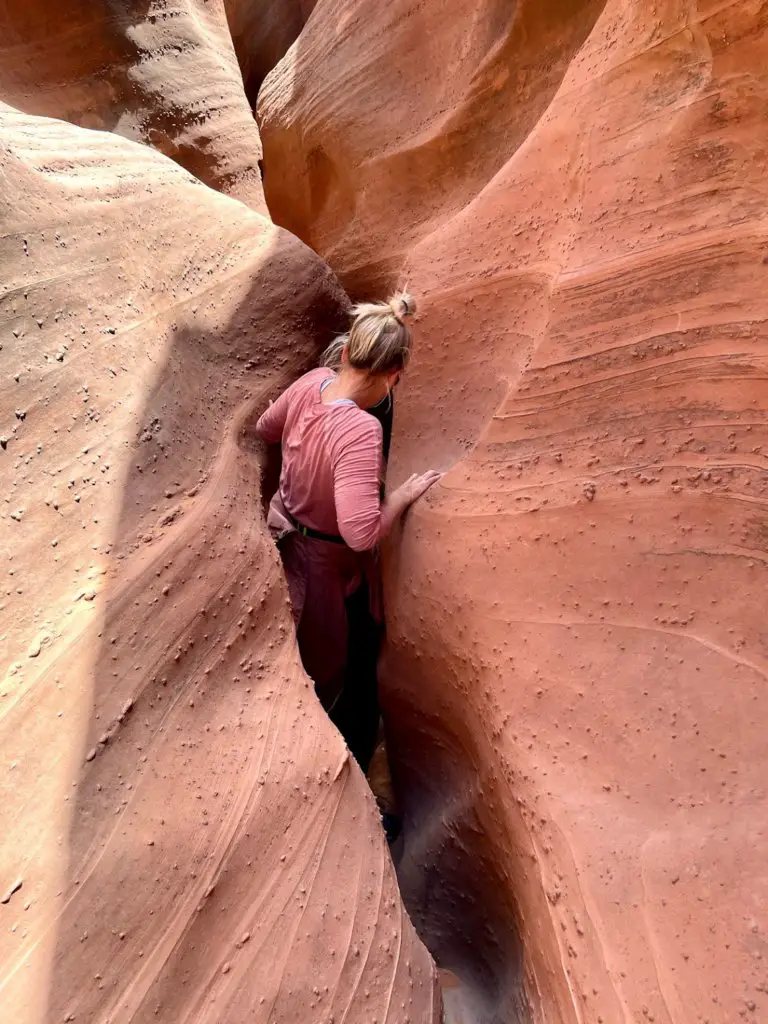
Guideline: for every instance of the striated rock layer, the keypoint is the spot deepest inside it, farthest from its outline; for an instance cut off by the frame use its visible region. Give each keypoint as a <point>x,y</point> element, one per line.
<point>262,31</point>
<point>576,664</point>
<point>184,836</point>
<point>383,121</point>
<point>161,72</point>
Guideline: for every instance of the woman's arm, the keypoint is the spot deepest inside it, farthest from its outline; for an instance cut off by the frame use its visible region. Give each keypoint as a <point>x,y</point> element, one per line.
<point>363,520</point>
<point>272,421</point>
<point>356,465</point>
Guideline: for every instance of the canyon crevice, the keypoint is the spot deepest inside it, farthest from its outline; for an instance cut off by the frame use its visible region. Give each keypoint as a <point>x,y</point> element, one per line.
<point>574,674</point>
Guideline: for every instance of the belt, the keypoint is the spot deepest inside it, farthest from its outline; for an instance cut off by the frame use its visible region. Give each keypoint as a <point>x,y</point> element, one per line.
<point>308,531</point>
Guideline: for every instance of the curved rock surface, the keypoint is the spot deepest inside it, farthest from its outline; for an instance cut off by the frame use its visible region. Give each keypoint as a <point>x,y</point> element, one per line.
<point>576,670</point>
<point>184,836</point>
<point>162,73</point>
<point>384,120</point>
<point>262,31</point>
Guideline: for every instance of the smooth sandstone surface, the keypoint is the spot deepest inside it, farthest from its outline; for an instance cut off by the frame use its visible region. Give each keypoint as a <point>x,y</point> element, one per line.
<point>184,836</point>
<point>385,120</point>
<point>576,665</point>
<point>163,73</point>
<point>262,31</point>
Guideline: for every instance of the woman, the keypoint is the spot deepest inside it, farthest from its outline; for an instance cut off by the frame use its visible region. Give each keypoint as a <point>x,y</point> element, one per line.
<point>384,410</point>
<point>328,515</point>
<point>356,711</point>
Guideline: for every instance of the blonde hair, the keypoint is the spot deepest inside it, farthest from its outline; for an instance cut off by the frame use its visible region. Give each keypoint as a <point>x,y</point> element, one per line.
<point>332,355</point>
<point>379,339</point>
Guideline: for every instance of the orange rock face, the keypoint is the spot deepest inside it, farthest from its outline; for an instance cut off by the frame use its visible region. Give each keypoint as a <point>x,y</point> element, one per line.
<point>184,835</point>
<point>164,74</point>
<point>575,673</point>
<point>576,660</point>
<point>262,31</point>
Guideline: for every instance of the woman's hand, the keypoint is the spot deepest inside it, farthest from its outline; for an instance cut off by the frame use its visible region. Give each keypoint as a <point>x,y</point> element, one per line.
<point>413,488</point>
<point>404,496</point>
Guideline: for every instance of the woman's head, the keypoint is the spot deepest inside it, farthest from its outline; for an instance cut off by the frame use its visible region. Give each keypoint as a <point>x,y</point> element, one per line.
<point>379,340</point>
<point>377,347</point>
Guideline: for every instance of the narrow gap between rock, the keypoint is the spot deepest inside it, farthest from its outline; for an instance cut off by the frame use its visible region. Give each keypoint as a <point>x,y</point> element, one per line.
<point>445,870</point>
<point>446,874</point>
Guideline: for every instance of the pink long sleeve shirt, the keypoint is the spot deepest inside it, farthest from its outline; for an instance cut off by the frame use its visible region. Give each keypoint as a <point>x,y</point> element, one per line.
<point>332,461</point>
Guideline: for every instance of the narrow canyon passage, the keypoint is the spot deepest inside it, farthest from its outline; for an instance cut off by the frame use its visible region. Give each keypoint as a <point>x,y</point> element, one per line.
<point>575,655</point>
<point>450,854</point>
<point>574,673</point>
<point>450,866</point>
<point>447,857</point>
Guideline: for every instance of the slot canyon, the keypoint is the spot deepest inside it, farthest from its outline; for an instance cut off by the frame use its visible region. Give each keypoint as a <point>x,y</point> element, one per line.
<point>574,674</point>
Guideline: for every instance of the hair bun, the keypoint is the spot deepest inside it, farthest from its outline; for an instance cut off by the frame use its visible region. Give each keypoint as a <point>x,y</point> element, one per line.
<point>402,305</point>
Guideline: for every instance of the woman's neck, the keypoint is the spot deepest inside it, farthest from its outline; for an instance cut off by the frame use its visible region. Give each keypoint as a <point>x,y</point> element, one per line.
<point>352,384</point>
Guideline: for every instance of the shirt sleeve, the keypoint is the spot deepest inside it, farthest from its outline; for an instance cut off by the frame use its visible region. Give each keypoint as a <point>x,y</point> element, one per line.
<point>356,473</point>
<point>271,423</point>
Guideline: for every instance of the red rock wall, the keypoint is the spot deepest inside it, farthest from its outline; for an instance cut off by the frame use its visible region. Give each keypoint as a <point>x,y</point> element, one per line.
<point>262,31</point>
<point>384,121</point>
<point>162,73</point>
<point>183,835</point>
<point>577,659</point>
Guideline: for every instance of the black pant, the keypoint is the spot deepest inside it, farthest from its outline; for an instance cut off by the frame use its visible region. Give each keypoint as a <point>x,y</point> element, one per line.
<point>356,711</point>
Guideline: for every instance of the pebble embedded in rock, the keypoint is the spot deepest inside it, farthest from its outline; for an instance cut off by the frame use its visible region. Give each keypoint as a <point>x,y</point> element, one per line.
<point>10,892</point>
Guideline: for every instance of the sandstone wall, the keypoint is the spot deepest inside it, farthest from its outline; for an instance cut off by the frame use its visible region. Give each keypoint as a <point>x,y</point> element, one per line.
<point>577,658</point>
<point>162,73</point>
<point>184,835</point>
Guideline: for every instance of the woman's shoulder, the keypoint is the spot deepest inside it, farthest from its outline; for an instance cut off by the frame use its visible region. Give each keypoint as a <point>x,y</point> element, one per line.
<point>350,423</point>
<point>319,374</point>
<point>303,386</point>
